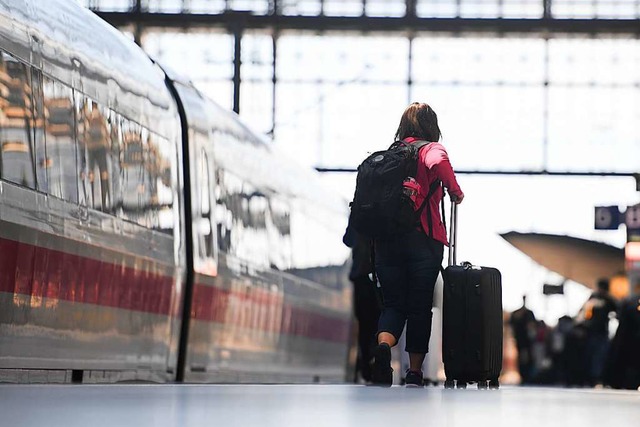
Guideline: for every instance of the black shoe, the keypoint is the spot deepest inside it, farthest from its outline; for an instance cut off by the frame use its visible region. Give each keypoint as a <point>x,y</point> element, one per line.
<point>381,372</point>
<point>413,379</point>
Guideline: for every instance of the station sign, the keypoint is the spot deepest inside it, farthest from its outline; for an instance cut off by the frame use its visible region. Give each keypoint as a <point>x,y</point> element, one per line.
<point>607,218</point>
<point>632,221</point>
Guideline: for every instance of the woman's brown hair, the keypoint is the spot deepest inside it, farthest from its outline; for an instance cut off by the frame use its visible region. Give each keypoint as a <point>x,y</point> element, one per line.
<point>419,121</point>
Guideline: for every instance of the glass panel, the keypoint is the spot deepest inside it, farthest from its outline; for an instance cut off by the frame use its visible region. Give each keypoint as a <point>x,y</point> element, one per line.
<point>224,214</point>
<point>39,112</point>
<point>256,91</point>
<point>206,58</point>
<point>109,5</point>
<point>343,7</point>
<point>220,92</point>
<point>94,142</point>
<point>116,154</point>
<point>344,59</point>
<point>158,183</point>
<point>256,104</point>
<point>437,8</point>
<point>613,9</point>
<point>474,61</point>
<point>204,224</point>
<point>16,121</point>
<point>394,8</point>
<point>206,6</point>
<point>479,8</point>
<point>257,7</point>
<point>594,128</point>
<point>165,6</point>
<point>522,8</point>
<point>476,120</point>
<point>60,141</point>
<point>596,9</point>
<point>301,7</point>
<point>165,177</point>
<point>279,230</point>
<point>594,62</point>
<point>135,184</point>
<point>201,56</point>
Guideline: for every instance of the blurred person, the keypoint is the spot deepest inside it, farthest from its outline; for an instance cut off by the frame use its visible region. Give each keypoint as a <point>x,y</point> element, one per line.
<point>541,353</point>
<point>524,326</point>
<point>595,314</point>
<point>623,367</point>
<point>408,264</point>
<point>366,306</point>
<point>557,344</point>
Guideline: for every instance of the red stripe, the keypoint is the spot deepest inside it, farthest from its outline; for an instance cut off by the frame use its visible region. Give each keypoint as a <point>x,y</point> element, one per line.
<point>45,273</point>
<point>263,310</point>
<point>39,272</point>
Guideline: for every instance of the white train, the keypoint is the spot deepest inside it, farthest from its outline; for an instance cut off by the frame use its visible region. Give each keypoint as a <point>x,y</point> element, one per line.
<point>145,232</point>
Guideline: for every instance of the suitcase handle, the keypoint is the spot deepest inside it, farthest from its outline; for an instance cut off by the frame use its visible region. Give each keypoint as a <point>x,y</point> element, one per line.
<point>453,234</point>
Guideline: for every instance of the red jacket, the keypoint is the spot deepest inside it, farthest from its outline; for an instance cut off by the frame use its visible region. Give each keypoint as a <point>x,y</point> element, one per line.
<point>434,164</point>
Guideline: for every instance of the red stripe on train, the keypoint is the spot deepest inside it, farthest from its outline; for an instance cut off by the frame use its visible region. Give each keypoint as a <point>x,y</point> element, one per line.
<point>266,311</point>
<point>39,272</point>
<point>45,273</point>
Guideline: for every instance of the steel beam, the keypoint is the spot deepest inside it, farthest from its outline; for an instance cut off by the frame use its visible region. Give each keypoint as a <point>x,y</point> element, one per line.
<point>513,172</point>
<point>409,24</point>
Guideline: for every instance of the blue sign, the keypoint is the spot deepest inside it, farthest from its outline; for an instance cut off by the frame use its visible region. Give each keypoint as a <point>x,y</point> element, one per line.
<point>632,221</point>
<point>607,218</point>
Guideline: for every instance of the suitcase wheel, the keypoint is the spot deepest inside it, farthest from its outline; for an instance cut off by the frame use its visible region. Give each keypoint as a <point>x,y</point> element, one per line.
<point>461,384</point>
<point>482,385</point>
<point>449,384</point>
<point>494,384</point>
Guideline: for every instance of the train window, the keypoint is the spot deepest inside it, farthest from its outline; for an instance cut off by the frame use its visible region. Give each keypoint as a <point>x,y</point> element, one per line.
<point>162,167</point>
<point>224,213</point>
<point>204,224</point>
<point>241,212</point>
<point>114,125</point>
<point>16,118</point>
<point>94,144</point>
<point>279,230</point>
<point>61,146</point>
<point>39,116</point>
<point>135,177</point>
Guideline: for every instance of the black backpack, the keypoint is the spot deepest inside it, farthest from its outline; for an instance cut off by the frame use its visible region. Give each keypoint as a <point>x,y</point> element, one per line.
<point>380,206</point>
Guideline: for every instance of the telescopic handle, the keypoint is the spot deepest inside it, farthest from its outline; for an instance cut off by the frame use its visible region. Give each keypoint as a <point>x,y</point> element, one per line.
<point>453,233</point>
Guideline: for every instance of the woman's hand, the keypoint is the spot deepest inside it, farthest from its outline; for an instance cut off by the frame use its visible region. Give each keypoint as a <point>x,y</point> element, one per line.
<point>457,199</point>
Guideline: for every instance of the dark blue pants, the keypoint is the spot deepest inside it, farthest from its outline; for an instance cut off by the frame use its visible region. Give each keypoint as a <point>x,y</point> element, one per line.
<point>407,268</point>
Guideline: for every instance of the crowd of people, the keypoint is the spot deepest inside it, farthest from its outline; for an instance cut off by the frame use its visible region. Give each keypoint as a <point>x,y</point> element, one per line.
<point>582,351</point>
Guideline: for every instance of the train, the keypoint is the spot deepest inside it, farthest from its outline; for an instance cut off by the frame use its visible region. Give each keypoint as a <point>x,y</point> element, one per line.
<point>146,233</point>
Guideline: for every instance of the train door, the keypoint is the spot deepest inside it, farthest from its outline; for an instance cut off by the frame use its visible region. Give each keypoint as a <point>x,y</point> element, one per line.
<point>204,225</point>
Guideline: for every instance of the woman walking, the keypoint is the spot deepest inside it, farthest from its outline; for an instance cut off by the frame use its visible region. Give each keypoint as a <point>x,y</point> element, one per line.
<point>407,265</point>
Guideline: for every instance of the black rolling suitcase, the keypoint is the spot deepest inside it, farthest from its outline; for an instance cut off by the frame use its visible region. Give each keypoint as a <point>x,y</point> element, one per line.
<point>472,321</point>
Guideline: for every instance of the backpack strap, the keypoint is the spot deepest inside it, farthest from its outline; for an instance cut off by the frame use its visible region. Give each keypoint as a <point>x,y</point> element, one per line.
<point>417,143</point>
<point>432,189</point>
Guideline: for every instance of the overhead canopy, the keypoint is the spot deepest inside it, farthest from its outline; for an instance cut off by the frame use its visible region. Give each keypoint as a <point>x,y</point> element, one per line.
<point>580,260</point>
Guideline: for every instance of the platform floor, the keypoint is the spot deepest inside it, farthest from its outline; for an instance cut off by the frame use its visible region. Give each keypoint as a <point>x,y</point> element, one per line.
<point>310,405</point>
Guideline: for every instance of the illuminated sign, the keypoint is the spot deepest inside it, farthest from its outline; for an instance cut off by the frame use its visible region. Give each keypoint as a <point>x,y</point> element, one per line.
<point>632,255</point>
<point>619,287</point>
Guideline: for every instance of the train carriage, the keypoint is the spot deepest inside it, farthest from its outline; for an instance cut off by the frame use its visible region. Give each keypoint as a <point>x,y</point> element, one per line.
<point>145,232</point>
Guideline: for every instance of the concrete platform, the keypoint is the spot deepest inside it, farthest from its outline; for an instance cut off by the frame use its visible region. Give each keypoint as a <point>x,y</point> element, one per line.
<point>310,405</point>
